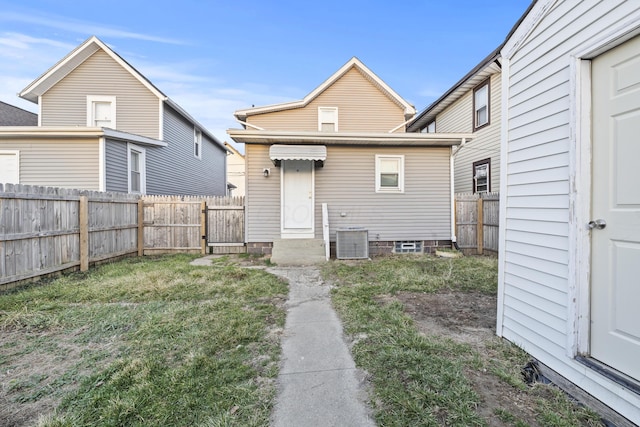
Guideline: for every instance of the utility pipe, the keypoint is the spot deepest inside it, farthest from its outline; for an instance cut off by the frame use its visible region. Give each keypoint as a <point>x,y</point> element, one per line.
<point>454,241</point>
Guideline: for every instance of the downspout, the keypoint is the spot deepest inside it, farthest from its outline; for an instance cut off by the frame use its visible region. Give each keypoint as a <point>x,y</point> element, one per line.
<point>454,151</point>
<point>400,125</point>
<point>245,124</point>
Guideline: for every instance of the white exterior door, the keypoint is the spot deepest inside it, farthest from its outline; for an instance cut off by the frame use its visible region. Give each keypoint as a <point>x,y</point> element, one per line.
<point>615,249</point>
<point>297,199</point>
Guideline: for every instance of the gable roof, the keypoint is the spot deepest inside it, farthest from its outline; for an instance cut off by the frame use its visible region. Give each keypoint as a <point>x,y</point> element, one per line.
<point>409,110</point>
<point>80,54</point>
<point>70,62</point>
<point>488,66</point>
<point>479,73</point>
<point>11,115</point>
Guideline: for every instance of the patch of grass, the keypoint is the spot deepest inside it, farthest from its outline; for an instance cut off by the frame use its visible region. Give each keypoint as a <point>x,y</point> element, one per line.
<point>148,341</point>
<point>418,379</point>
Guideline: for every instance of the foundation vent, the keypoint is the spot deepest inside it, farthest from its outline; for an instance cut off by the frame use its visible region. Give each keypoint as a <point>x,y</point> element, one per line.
<point>352,243</point>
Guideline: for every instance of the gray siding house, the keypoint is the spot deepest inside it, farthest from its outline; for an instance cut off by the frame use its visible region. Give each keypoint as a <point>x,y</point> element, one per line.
<point>472,105</point>
<point>103,126</point>
<point>344,146</point>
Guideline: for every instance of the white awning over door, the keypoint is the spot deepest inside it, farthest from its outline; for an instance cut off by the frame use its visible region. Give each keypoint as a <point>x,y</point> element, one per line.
<point>298,152</point>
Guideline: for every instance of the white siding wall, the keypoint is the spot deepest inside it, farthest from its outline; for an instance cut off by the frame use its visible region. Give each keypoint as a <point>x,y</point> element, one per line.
<point>347,184</point>
<point>536,190</point>
<point>57,163</point>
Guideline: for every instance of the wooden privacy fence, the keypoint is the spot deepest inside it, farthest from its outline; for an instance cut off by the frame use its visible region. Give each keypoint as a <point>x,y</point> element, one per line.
<point>45,230</point>
<point>193,224</point>
<point>477,222</point>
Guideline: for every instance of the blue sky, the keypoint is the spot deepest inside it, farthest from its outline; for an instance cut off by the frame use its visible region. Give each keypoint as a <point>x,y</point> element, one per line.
<point>214,57</point>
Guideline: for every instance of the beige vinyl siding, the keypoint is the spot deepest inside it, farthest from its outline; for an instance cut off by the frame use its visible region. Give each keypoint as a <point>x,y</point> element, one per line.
<point>536,237</point>
<point>347,184</point>
<point>458,117</point>
<point>57,163</point>
<point>370,111</point>
<point>65,104</point>
<point>262,196</point>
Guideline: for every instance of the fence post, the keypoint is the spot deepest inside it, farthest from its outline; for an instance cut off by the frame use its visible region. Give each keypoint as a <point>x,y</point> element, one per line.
<point>480,226</point>
<point>203,227</point>
<point>84,233</point>
<point>140,227</point>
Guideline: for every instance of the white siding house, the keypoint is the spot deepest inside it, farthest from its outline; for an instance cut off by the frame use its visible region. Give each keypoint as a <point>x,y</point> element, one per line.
<point>569,286</point>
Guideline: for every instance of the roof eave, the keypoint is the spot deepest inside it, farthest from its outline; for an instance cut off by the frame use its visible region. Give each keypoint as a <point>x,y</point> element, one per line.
<point>54,74</point>
<point>484,69</point>
<point>344,138</point>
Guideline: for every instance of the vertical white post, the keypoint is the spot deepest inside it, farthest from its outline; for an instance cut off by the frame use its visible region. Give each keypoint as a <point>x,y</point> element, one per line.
<point>325,230</point>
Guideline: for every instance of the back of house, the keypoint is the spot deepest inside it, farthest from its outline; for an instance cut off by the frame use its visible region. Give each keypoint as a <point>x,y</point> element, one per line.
<point>344,145</point>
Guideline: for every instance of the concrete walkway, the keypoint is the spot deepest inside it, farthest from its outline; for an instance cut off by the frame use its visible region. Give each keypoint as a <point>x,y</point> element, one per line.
<point>318,384</point>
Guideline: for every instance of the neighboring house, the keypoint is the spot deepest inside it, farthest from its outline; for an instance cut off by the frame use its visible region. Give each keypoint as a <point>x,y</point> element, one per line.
<point>104,126</point>
<point>569,264</point>
<point>345,145</point>
<point>235,171</point>
<point>13,116</point>
<point>472,105</point>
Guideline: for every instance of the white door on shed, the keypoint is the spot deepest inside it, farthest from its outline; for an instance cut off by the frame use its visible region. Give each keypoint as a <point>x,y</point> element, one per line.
<point>297,199</point>
<point>615,249</point>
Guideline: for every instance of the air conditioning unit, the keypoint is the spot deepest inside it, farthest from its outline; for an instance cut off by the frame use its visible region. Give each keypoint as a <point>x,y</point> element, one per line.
<point>352,243</point>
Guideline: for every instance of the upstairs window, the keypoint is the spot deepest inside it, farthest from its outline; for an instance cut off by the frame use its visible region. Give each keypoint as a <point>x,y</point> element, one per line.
<point>328,119</point>
<point>482,176</point>
<point>389,174</point>
<point>101,111</point>
<point>481,105</point>
<point>197,143</point>
<point>430,128</point>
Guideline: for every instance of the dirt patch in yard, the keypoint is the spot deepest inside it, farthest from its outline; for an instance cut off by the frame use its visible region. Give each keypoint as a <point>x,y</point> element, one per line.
<point>470,318</point>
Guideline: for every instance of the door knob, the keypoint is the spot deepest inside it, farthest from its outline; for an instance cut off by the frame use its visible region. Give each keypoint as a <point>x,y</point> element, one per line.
<point>598,224</point>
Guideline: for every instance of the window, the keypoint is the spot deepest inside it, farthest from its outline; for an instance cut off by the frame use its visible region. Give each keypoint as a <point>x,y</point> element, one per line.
<point>482,176</point>
<point>9,167</point>
<point>430,128</point>
<point>481,105</point>
<point>136,169</point>
<point>101,111</point>
<point>328,119</point>
<point>389,174</point>
<point>197,143</point>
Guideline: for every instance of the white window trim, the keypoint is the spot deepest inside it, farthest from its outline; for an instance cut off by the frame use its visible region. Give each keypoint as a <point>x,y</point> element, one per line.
<point>101,98</point>
<point>197,142</point>
<point>17,154</point>
<point>335,122</point>
<point>477,125</point>
<point>143,167</point>
<point>477,164</point>
<point>400,188</point>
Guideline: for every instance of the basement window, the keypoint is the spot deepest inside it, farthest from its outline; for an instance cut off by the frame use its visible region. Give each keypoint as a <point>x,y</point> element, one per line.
<point>408,247</point>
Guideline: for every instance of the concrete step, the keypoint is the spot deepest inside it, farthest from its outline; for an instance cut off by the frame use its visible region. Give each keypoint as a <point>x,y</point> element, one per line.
<point>298,252</point>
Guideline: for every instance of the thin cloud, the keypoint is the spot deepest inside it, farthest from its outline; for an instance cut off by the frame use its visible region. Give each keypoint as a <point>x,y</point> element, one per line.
<point>23,41</point>
<point>62,23</point>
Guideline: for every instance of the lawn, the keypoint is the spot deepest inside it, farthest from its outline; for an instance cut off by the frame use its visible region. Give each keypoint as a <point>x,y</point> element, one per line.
<point>143,341</point>
<point>424,330</point>
<point>155,341</point>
